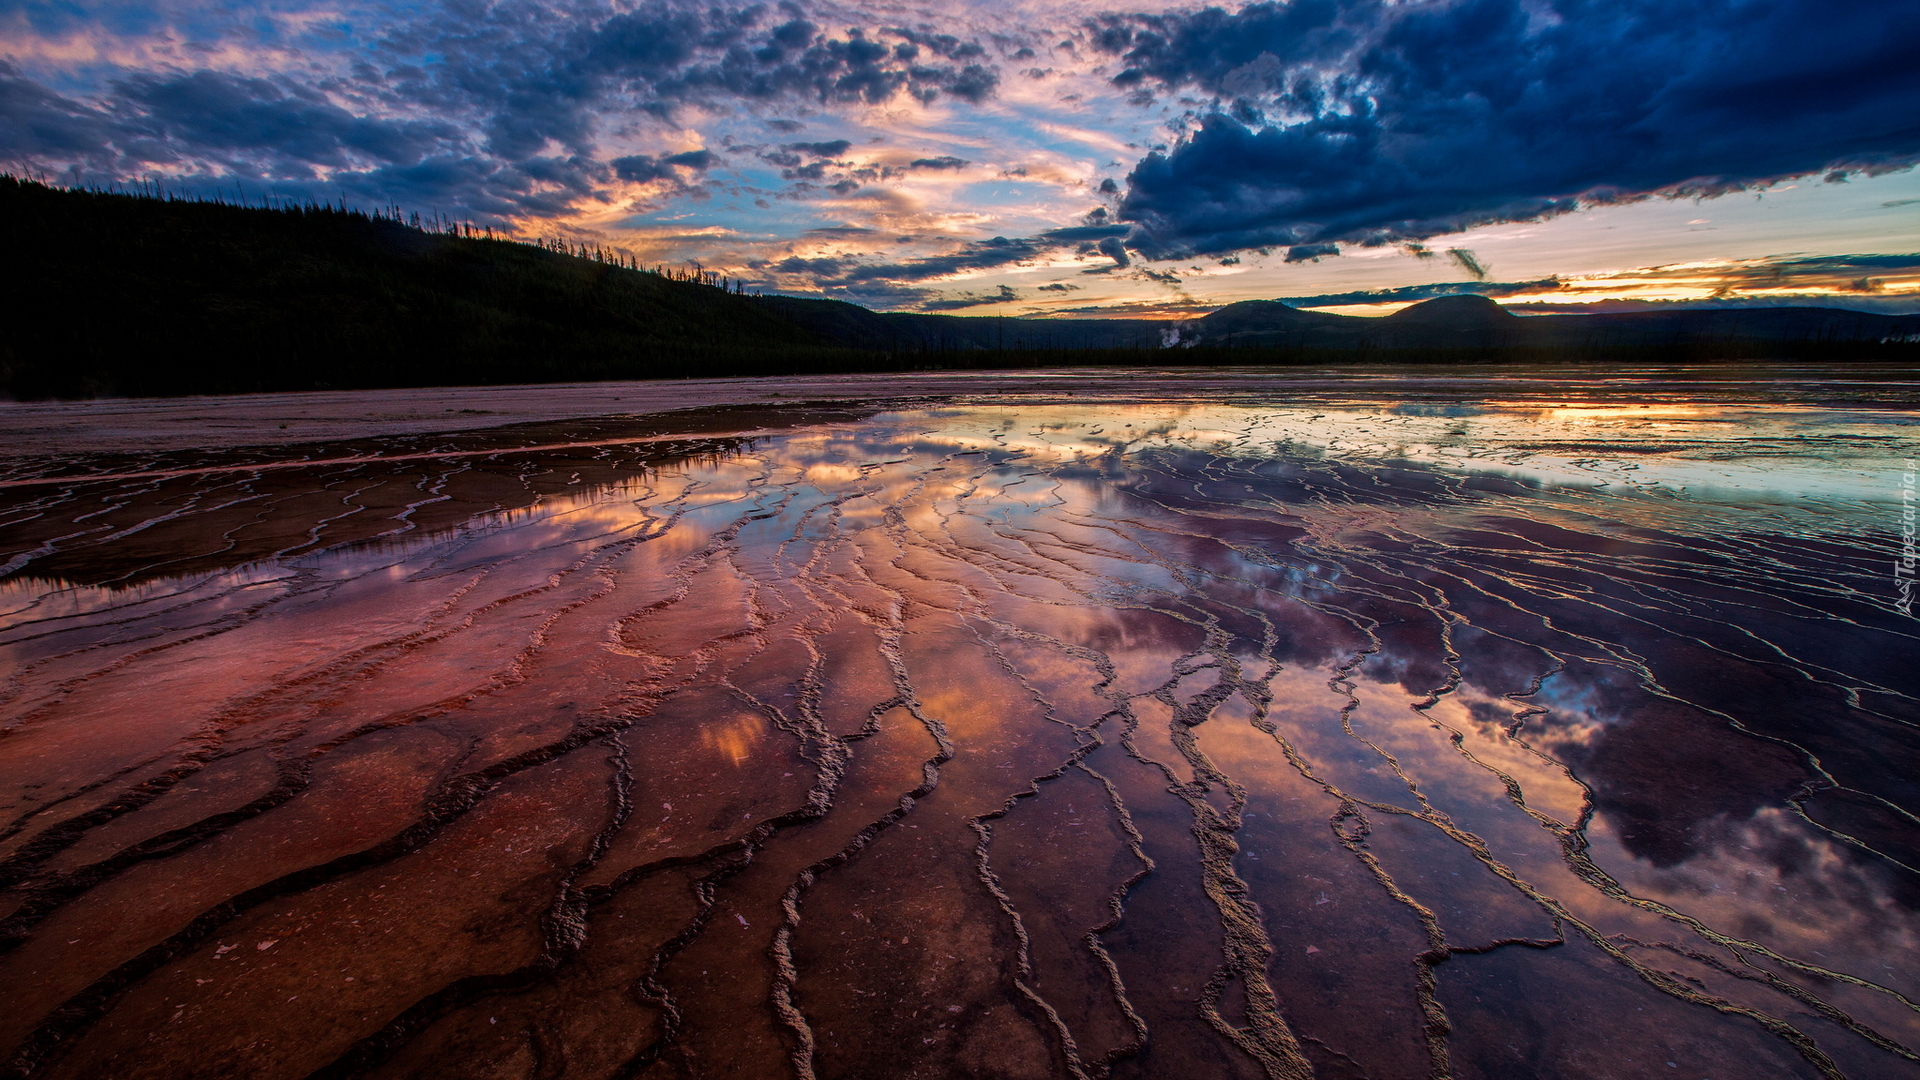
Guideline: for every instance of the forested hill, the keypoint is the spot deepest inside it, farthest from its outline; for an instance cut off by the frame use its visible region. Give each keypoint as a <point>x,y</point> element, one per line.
<point>115,294</point>
<point>136,295</point>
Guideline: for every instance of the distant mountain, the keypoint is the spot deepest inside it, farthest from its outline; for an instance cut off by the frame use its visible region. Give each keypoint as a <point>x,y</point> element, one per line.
<point>1255,322</point>
<point>119,294</point>
<point>1476,323</point>
<point>1452,313</point>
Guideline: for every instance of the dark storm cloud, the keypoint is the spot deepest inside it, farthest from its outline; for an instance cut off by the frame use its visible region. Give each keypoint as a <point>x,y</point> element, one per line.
<point>288,131</point>
<point>1800,265</point>
<point>1907,304</point>
<point>947,45</point>
<point>471,186</point>
<point>822,149</point>
<point>878,294</point>
<point>1468,261</point>
<point>1243,51</point>
<point>641,168</point>
<point>1363,122</point>
<point>36,123</point>
<point>666,56</point>
<point>1423,292</point>
<point>832,266</point>
<point>980,255</point>
<point>518,90</point>
<point>278,140</point>
<point>213,111</point>
<point>1077,233</point>
<point>1006,295</point>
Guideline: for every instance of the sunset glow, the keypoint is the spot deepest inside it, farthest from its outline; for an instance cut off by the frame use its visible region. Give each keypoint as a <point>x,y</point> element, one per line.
<point>1044,157</point>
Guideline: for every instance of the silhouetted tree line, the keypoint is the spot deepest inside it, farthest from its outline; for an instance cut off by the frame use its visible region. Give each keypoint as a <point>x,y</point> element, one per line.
<point>150,291</point>
<point>435,222</point>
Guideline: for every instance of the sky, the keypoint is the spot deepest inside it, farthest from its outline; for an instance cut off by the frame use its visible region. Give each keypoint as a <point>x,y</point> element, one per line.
<point>1046,158</point>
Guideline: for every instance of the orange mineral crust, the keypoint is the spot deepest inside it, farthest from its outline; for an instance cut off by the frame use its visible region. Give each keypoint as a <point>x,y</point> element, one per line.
<point>1239,736</point>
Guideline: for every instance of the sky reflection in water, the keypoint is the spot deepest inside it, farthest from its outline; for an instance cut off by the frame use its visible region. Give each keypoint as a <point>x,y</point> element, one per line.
<point>1343,739</point>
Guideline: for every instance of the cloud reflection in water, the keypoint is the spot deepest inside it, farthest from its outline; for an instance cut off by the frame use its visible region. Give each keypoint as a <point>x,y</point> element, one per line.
<point>1203,739</point>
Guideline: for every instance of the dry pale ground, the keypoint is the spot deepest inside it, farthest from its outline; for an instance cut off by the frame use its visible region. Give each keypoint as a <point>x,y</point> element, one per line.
<point>176,423</point>
<point>109,425</point>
